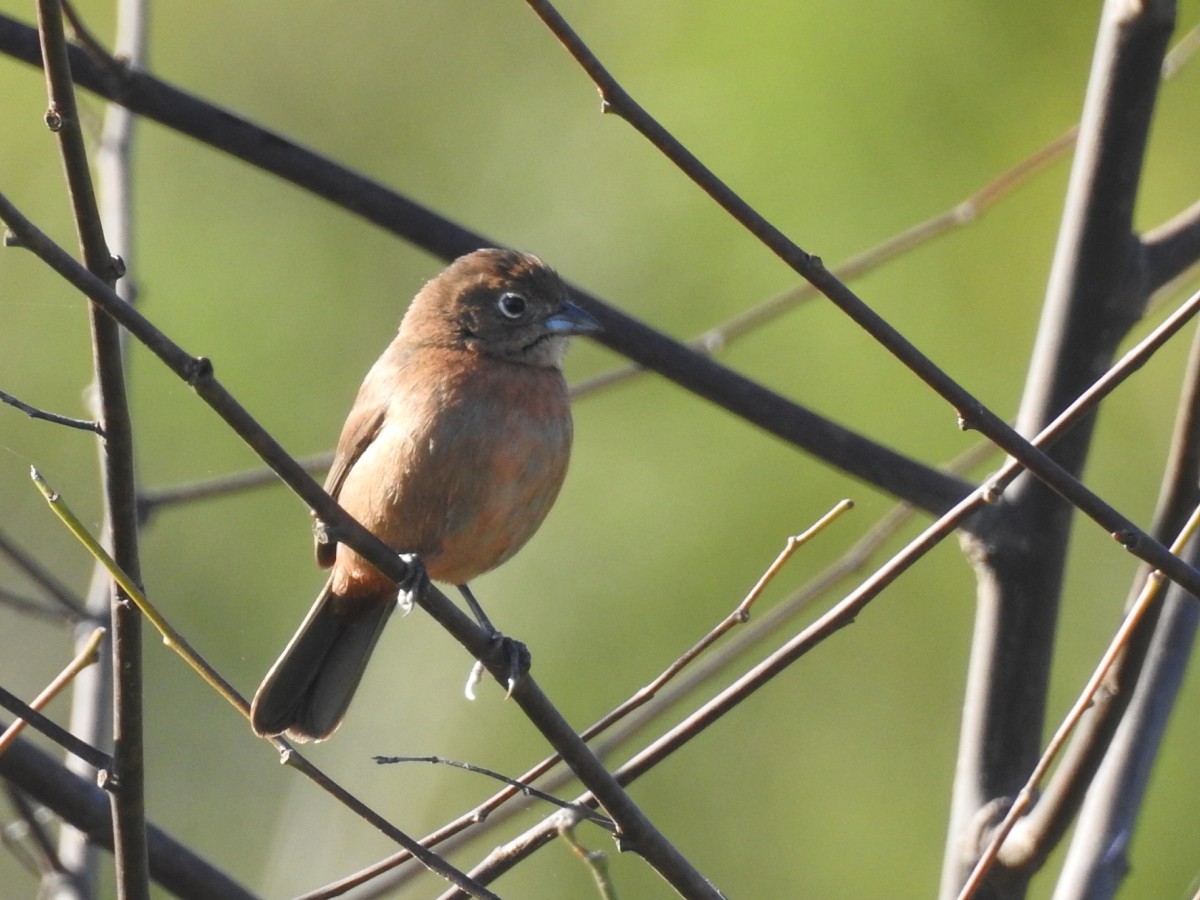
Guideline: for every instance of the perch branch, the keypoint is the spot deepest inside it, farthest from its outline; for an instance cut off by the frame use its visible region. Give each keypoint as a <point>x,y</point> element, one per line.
<point>637,832</point>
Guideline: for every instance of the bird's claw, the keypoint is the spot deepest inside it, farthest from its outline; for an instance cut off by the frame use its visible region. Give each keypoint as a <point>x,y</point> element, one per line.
<point>323,532</point>
<point>413,585</point>
<point>473,680</point>
<point>518,659</point>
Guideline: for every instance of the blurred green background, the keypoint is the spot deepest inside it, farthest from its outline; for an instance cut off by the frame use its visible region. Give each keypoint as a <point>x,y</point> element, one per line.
<point>844,123</point>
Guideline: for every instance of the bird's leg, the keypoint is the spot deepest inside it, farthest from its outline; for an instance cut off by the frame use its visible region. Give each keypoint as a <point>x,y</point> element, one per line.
<point>477,611</point>
<point>518,654</point>
<point>410,589</point>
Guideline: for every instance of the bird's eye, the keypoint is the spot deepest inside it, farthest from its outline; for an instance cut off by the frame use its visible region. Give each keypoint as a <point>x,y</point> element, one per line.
<point>512,305</point>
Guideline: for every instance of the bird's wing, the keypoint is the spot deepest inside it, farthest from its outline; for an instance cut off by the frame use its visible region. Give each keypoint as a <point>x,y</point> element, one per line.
<point>362,427</point>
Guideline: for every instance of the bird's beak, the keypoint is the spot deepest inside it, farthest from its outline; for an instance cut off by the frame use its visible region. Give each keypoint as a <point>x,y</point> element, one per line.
<point>572,319</point>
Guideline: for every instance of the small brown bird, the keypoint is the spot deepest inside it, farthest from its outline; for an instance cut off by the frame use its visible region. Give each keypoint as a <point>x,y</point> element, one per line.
<point>454,450</point>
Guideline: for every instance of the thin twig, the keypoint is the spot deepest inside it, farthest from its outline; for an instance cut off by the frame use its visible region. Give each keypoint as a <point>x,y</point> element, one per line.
<point>963,213</point>
<point>98,759</point>
<point>739,616</point>
<point>1181,54</point>
<point>595,860</point>
<point>43,578</point>
<point>522,788</point>
<point>150,500</point>
<point>171,638</point>
<point>88,655</point>
<point>41,859</point>
<point>34,413</point>
<point>85,38</point>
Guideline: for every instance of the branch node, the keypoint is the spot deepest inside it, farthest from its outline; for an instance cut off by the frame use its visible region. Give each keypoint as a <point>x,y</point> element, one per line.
<point>54,118</point>
<point>200,370</point>
<point>992,493</point>
<point>623,842</point>
<point>1129,538</point>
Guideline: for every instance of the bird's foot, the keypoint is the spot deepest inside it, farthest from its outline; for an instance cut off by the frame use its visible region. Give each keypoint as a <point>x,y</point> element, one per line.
<point>412,587</point>
<point>323,532</point>
<point>506,651</point>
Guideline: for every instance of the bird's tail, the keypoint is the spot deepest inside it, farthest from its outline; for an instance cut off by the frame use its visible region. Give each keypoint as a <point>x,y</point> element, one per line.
<point>307,691</point>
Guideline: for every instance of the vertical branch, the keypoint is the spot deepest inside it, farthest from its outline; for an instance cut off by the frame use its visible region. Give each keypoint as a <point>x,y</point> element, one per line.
<point>1097,290</point>
<point>90,709</point>
<point>126,786</point>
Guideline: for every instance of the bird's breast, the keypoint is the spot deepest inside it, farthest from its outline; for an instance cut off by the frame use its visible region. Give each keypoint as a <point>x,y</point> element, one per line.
<point>468,462</point>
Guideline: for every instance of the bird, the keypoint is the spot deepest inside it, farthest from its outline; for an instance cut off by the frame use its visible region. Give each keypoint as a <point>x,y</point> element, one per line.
<point>454,450</point>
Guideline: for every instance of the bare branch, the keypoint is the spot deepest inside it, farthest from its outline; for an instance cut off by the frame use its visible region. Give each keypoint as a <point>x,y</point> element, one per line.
<point>963,213</point>
<point>520,786</point>
<point>1173,247</point>
<point>34,413</point>
<point>1122,736</point>
<point>30,833</point>
<point>150,500</point>
<point>88,655</point>
<point>91,704</point>
<point>128,795</point>
<point>55,589</point>
<point>1025,797</point>
<point>98,759</point>
<point>1098,289</point>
